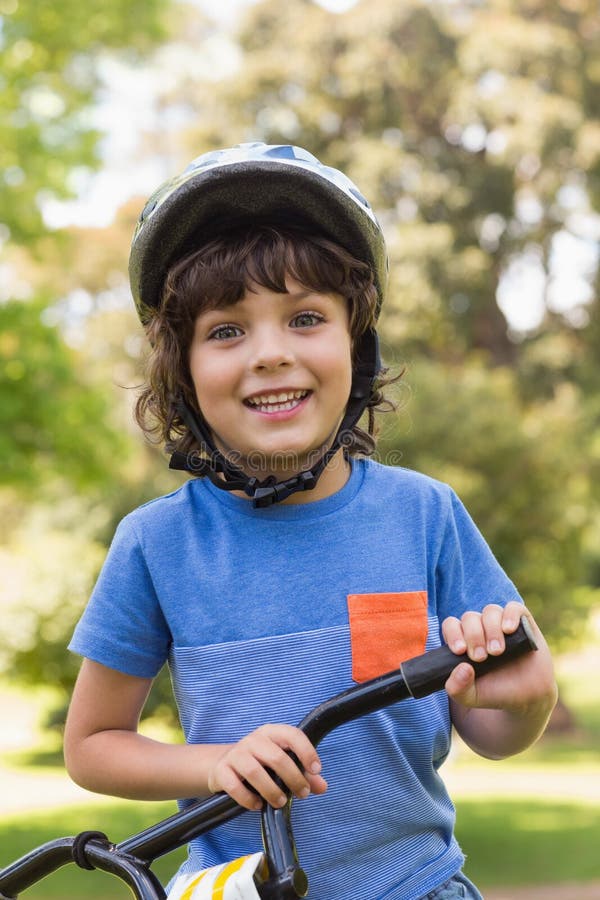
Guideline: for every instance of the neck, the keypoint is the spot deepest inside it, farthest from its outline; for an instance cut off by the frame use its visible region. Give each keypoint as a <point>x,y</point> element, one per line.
<point>332,479</point>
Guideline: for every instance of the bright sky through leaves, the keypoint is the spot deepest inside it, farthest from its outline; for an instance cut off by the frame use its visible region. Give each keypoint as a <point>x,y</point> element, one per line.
<point>130,108</point>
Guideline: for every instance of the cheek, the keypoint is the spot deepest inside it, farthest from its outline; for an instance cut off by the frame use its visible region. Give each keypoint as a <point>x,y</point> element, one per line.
<point>207,379</point>
<point>336,371</point>
<point>344,359</point>
<point>197,375</point>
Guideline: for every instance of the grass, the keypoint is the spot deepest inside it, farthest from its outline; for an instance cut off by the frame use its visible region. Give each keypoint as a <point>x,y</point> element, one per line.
<point>512,841</point>
<point>515,840</point>
<point>509,841</point>
<point>119,820</point>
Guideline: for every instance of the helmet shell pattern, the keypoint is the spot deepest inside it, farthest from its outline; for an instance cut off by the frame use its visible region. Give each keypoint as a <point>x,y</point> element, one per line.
<point>254,182</point>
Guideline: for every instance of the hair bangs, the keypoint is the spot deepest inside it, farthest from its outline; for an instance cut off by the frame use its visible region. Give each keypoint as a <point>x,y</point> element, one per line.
<point>223,270</point>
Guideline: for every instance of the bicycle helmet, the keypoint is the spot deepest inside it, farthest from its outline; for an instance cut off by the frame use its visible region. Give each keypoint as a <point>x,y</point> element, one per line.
<point>252,182</point>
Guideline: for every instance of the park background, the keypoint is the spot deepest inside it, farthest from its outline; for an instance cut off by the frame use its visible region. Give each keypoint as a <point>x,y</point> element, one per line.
<point>474,129</point>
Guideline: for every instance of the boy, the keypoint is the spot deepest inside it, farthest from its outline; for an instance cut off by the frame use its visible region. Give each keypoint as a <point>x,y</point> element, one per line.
<point>295,565</point>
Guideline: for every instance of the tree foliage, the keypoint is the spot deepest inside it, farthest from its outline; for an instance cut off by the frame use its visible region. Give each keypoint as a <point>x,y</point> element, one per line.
<point>53,421</point>
<point>465,123</point>
<point>512,465</point>
<point>49,77</point>
<point>66,459</point>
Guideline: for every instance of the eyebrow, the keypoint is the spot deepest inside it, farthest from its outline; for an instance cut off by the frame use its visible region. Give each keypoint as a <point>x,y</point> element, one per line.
<point>288,295</point>
<point>292,296</point>
<point>299,295</point>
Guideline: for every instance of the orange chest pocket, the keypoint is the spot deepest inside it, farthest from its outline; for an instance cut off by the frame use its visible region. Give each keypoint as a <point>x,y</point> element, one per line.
<point>385,629</point>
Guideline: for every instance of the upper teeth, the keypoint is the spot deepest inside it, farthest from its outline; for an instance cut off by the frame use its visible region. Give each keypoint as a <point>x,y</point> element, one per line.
<point>276,398</point>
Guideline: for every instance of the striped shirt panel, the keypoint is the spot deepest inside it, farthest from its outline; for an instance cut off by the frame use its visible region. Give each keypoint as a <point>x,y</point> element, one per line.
<point>386,814</point>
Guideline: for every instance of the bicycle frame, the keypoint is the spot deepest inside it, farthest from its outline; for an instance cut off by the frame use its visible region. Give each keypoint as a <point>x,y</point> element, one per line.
<point>130,860</point>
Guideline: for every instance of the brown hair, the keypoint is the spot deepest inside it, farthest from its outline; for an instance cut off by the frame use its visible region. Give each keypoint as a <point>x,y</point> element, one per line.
<point>219,274</point>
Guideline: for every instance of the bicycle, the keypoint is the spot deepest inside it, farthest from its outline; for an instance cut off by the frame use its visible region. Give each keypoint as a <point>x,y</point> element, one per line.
<point>275,874</point>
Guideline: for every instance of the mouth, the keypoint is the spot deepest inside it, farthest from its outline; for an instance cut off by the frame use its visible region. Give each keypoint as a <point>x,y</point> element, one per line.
<point>280,401</point>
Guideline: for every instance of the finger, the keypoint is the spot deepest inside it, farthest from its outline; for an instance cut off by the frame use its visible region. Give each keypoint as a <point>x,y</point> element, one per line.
<point>474,634</point>
<point>227,780</point>
<point>285,767</point>
<point>492,617</point>
<point>453,634</point>
<point>290,738</point>
<point>252,771</point>
<point>512,613</point>
<point>317,783</point>
<point>460,686</point>
<point>305,751</point>
<point>271,746</point>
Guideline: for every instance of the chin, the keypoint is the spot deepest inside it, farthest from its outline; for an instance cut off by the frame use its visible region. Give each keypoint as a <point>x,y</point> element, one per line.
<point>282,463</point>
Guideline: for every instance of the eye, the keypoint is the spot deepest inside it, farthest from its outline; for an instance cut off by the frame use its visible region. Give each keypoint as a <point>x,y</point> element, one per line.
<point>306,320</point>
<point>224,333</point>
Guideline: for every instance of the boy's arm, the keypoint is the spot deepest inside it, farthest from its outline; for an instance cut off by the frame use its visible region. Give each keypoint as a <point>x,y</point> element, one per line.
<point>105,753</point>
<point>506,711</point>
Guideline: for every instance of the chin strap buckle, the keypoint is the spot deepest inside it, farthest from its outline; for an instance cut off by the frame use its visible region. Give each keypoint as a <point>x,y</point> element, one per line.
<point>268,494</point>
<point>307,480</point>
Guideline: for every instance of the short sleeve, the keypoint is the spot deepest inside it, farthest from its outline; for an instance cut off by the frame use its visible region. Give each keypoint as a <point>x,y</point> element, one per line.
<point>123,626</point>
<point>468,576</point>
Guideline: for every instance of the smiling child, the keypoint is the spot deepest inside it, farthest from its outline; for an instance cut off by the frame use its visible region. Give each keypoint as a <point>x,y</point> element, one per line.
<point>291,565</point>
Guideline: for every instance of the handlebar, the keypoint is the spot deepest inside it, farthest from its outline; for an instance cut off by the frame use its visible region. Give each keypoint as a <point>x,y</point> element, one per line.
<point>130,860</point>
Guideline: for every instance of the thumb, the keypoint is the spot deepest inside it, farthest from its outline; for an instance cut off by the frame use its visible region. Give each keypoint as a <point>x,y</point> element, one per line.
<point>461,685</point>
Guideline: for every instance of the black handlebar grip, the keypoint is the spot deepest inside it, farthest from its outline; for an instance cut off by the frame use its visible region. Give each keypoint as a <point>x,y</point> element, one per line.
<point>429,672</point>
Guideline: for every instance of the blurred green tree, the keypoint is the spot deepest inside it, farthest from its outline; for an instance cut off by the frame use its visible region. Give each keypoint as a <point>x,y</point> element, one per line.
<point>53,421</point>
<point>73,467</point>
<point>472,127</point>
<point>512,465</point>
<point>49,78</point>
<point>66,454</point>
<point>56,423</point>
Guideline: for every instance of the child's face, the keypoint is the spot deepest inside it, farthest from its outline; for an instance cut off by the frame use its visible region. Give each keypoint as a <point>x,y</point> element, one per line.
<point>272,375</point>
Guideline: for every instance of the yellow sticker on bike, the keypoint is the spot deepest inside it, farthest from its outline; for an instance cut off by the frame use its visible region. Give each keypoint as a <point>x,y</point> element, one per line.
<point>229,881</point>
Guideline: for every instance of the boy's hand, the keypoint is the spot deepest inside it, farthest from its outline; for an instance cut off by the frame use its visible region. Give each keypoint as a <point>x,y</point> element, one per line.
<point>265,748</point>
<point>524,683</point>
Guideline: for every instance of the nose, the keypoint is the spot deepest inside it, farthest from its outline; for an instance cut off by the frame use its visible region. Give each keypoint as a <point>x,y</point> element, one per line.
<point>270,350</point>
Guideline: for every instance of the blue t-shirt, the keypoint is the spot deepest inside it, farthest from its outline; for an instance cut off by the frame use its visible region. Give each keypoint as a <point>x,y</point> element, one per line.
<point>264,613</point>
